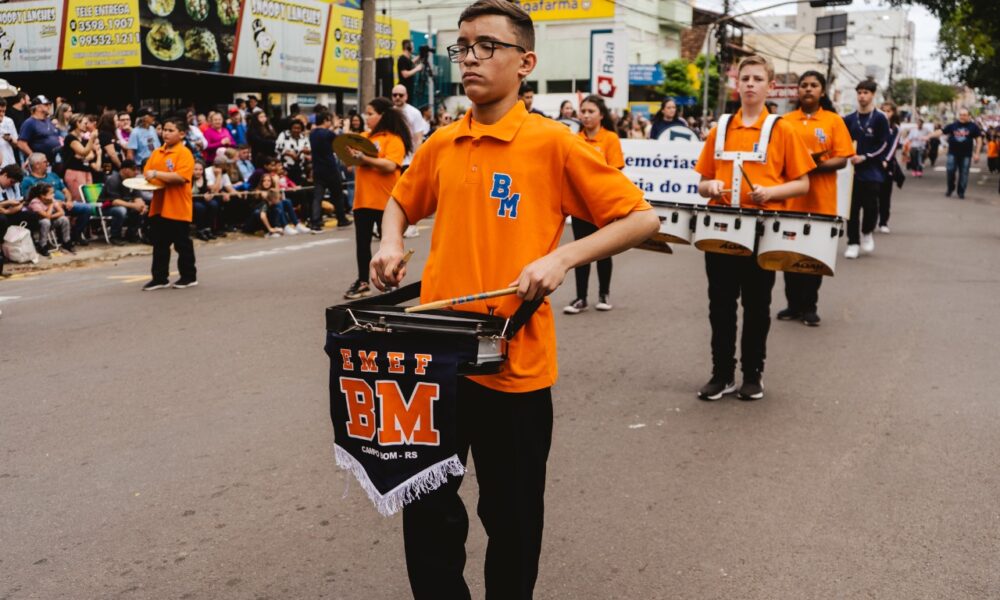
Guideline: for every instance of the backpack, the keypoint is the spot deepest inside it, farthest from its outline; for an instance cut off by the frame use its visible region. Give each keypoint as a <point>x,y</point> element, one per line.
<point>17,245</point>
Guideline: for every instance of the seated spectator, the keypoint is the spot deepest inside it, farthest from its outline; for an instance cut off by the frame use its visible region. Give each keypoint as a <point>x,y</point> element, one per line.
<point>206,206</point>
<point>266,202</point>
<point>42,201</point>
<point>216,137</point>
<point>217,178</point>
<point>282,212</point>
<point>269,165</point>
<point>38,172</point>
<point>194,139</point>
<point>143,139</point>
<point>125,206</point>
<point>245,168</point>
<point>11,203</point>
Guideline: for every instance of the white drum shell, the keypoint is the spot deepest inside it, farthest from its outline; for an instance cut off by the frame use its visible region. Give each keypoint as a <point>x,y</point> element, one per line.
<point>675,222</point>
<point>725,232</point>
<point>799,244</point>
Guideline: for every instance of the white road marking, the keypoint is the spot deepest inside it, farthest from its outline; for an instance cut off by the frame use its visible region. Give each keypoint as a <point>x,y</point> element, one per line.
<point>6,298</point>
<point>971,169</point>
<point>283,249</point>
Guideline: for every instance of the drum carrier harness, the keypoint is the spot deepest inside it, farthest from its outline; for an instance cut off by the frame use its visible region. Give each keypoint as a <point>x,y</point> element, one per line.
<point>738,157</point>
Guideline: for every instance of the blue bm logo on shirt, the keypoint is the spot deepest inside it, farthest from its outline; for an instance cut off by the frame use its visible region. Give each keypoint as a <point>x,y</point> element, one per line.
<point>501,191</point>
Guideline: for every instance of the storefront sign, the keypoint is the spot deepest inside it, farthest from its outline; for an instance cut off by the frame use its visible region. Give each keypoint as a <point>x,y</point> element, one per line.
<point>567,10</point>
<point>101,34</point>
<point>645,74</point>
<point>343,44</point>
<point>281,40</point>
<point>29,35</point>
<point>609,67</point>
<point>664,171</point>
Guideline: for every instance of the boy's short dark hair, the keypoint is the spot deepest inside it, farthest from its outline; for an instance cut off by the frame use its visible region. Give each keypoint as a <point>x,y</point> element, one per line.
<point>867,85</point>
<point>243,147</point>
<point>323,117</point>
<point>524,28</point>
<point>128,163</point>
<point>13,172</point>
<point>3,102</point>
<point>179,123</point>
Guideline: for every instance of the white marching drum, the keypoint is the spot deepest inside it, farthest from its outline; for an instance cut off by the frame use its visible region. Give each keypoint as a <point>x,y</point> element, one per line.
<point>676,221</point>
<point>799,243</point>
<point>726,230</point>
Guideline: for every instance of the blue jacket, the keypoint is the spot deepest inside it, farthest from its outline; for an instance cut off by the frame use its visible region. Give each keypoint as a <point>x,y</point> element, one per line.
<point>871,132</point>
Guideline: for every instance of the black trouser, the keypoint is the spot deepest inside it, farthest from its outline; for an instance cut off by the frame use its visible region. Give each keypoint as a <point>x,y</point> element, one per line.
<point>324,183</point>
<point>167,232</point>
<point>365,220</point>
<point>802,291</point>
<point>864,197</point>
<point>510,435</point>
<point>582,229</point>
<point>206,212</point>
<point>884,200</point>
<point>732,278</point>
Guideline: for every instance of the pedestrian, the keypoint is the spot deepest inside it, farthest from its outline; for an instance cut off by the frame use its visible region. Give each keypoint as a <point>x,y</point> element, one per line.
<point>730,277</point>
<point>8,137</point>
<point>993,151</point>
<point>375,177</point>
<point>917,139</point>
<point>526,95</point>
<point>172,167</point>
<point>665,118</point>
<point>325,173</point>
<point>869,127</point>
<point>486,237</point>
<point>893,173</point>
<point>965,140</point>
<point>37,134</point>
<point>418,128</point>
<point>825,135</point>
<point>933,145</point>
<point>598,131</point>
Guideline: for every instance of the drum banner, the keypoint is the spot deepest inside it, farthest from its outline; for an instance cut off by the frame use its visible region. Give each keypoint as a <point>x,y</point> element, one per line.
<point>392,401</point>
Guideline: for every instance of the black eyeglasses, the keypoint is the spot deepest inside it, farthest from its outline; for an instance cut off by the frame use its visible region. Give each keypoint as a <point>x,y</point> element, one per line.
<point>458,52</point>
<point>398,95</point>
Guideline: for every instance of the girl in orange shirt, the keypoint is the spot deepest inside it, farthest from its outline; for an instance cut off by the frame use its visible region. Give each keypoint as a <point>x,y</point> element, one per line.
<point>598,131</point>
<point>373,181</point>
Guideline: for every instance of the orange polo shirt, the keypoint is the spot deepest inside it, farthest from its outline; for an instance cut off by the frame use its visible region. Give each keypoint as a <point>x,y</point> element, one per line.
<point>823,130</point>
<point>501,194</point>
<point>993,149</point>
<point>608,144</point>
<point>371,186</point>
<point>787,158</point>
<point>173,201</point>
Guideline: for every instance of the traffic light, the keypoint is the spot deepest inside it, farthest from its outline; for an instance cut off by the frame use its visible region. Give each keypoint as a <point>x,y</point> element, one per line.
<point>825,3</point>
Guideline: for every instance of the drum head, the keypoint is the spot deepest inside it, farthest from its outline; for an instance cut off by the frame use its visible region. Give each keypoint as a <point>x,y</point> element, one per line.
<point>140,183</point>
<point>345,141</point>
<point>793,262</point>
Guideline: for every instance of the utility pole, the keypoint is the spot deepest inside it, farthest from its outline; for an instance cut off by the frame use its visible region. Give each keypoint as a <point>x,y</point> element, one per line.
<point>724,53</point>
<point>366,80</point>
<point>892,64</point>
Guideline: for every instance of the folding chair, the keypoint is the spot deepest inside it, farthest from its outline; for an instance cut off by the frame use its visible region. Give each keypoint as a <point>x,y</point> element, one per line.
<point>91,194</point>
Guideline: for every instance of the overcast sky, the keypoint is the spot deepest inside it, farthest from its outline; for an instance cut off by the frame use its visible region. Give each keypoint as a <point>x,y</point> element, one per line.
<point>928,65</point>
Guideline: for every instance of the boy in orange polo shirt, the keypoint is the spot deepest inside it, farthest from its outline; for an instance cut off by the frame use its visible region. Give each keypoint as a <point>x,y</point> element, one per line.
<point>171,166</point>
<point>784,175</point>
<point>500,183</point>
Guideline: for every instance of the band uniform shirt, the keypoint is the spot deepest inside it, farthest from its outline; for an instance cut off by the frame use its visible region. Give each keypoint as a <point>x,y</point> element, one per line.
<point>871,132</point>
<point>372,187</point>
<point>787,158</point>
<point>608,144</point>
<point>501,194</point>
<point>822,131</point>
<point>173,201</point>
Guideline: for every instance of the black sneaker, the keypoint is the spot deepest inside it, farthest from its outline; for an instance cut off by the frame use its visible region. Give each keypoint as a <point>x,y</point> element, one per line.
<point>716,388</point>
<point>43,250</point>
<point>575,307</point>
<point>184,282</point>
<point>358,289</point>
<point>811,319</point>
<point>69,247</point>
<point>753,387</point>
<point>789,314</point>
<point>81,241</point>
<point>155,285</point>
<point>117,241</point>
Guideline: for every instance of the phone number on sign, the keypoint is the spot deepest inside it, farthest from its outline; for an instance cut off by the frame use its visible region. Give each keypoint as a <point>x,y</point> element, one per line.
<point>107,39</point>
<point>102,24</point>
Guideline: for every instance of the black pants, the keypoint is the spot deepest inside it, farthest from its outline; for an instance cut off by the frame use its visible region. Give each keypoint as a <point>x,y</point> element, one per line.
<point>802,291</point>
<point>582,229</point>
<point>863,198</point>
<point>365,220</point>
<point>732,278</point>
<point>510,435</point>
<point>167,232</point>
<point>324,183</point>
<point>884,201</point>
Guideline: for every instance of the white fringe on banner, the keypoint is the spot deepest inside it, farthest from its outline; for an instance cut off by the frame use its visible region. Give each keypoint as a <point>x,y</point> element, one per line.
<point>395,499</point>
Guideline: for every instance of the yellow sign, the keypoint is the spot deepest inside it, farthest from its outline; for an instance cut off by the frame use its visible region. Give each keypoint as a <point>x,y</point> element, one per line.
<point>567,10</point>
<point>343,44</point>
<point>101,34</point>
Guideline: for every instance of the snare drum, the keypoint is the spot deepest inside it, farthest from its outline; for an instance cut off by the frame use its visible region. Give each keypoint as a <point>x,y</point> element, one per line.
<point>726,230</point>
<point>799,243</point>
<point>676,222</point>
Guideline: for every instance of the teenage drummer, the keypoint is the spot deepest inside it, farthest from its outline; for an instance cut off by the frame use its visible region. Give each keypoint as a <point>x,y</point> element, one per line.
<point>730,277</point>
<point>825,135</point>
<point>500,182</point>
<point>598,131</point>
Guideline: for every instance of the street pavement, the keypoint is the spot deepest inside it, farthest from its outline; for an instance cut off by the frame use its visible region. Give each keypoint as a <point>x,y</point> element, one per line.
<point>177,444</point>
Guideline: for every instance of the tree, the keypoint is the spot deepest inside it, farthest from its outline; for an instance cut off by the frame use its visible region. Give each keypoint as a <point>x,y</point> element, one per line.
<point>929,93</point>
<point>968,40</point>
<point>686,78</point>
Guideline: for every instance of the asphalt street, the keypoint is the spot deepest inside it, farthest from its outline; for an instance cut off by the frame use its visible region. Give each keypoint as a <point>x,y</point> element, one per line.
<point>177,444</point>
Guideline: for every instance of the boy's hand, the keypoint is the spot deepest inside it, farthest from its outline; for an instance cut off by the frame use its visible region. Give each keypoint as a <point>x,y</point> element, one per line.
<point>857,159</point>
<point>541,277</point>
<point>760,194</point>
<point>715,187</point>
<point>383,269</point>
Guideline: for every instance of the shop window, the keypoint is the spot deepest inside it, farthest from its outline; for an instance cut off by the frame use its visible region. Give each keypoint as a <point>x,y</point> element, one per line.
<point>559,86</point>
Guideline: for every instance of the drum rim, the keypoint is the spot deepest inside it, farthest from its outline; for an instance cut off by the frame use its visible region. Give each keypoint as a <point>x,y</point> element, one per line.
<point>794,214</point>
<point>444,322</point>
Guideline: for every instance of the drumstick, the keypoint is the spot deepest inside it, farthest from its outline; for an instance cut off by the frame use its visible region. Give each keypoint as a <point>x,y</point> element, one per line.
<point>402,263</point>
<point>745,176</point>
<point>462,300</point>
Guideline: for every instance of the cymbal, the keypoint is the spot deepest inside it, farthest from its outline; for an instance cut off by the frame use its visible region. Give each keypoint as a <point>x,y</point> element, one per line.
<point>344,141</point>
<point>140,183</point>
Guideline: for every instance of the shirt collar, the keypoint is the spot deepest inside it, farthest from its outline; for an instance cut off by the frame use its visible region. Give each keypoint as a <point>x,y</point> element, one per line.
<point>504,130</point>
<point>758,124</point>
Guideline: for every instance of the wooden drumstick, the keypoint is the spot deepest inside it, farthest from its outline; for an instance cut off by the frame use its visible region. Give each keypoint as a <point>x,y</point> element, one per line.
<point>402,263</point>
<point>462,300</point>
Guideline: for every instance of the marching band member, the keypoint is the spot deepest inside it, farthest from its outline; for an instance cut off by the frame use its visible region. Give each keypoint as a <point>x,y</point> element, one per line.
<point>869,127</point>
<point>730,277</point>
<point>501,182</point>
<point>598,131</point>
<point>826,137</point>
